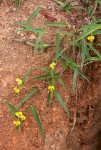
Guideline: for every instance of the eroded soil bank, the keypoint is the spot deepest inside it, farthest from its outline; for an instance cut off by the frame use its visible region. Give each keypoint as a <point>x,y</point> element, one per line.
<point>87,132</point>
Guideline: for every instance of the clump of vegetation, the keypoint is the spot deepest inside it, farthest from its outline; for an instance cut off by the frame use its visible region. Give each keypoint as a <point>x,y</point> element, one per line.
<point>82,40</point>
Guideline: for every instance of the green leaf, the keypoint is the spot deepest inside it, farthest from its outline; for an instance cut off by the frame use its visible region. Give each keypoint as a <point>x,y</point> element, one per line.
<point>26,75</point>
<point>52,81</point>
<point>95,7</point>
<point>45,69</point>
<point>84,52</point>
<point>38,42</point>
<point>33,15</point>
<point>94,59</point>
<point>67,33</point>
<point>52,73</point>
<point>56,24</point>
<point>64,63</point>
<point>33,45</point>
<point>94,50</point>
<point>61,82</point>
<point>75,78</point>
<point>97,32</point>
<point>83,75</point>
<point>18,3</point>
<point>70,62</point>
<point>55,75</point>
<point>27,97</point>
<point>88,32</point>
<point>50,97</point>
<point>59,54</point>
<point>88,26</point>
<point>77,7</point>
<point>41,46</point>
<point>60,3</point>
<point>28,28</point>
<point>35,114</point>
<point>46,76</point>
<point>98,44</point>
<point>89,10</point>
<point>67,5</point>
<point>60,100</point>
<point>11,107</point>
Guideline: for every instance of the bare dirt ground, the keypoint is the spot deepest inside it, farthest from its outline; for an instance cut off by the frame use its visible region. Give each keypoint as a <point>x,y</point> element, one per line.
<point>83,130</point>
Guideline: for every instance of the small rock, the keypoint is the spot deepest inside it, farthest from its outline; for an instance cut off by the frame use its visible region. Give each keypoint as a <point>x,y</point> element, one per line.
<point>32,37</point>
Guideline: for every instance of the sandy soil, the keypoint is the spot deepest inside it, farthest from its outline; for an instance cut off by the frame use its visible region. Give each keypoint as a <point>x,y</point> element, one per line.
<point>78,133</point>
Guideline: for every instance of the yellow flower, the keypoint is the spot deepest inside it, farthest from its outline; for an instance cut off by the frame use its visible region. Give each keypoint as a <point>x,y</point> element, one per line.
<point>19,81</point>
<point>90,38</point>
<point>18,114</point>
<point>17,90</point>
<point>51,87</point>
<point>52,65</point>
<point>23,117</point>
<point>17,123</point>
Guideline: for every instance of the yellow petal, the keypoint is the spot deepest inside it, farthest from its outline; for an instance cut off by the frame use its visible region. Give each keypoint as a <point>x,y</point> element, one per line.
<point>52,65</point>
<point>19,81</point>
<point>23,117</point>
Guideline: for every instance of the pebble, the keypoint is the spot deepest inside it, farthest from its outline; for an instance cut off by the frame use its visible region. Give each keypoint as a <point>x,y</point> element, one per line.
<point>32,37</point>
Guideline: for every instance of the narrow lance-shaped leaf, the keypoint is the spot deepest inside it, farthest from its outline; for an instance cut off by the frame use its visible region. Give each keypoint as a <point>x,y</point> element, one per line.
<point>45,69</point>
<point>77,7</point>
<point>64,63</point>
<point>46,76</point>
<point>67,5</point>
<point>94,50</point>
<point>11,107</point>
<point>60,100</point>
<point>61,82</point>
<point>89,10</point>
<point>52,81</point>
<point>41,46</point>
<point>94,58</point>
<point>68,60</point>
<point>35,114</point>
<point>95,7</point>
<point>75,78</point>
<point>27,97</point>
<point>59,2</point>
<point>28,28</point>
<point>33,45</point>
<point>97,32</point>
<point>18,3</point>
<point>83,75</point>
<point>37,44</point>
<point>50,97</point>
<point>59,54</point>
<point>84,49</point>
<point>88,32</point>
<point>67,33</point>
<point>88,26</point>
<point>33,15</point>
<point>26,75</point>
<point>56,24</point>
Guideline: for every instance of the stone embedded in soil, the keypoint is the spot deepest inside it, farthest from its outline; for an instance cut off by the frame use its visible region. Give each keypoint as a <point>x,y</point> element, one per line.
<point>32,37</point>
